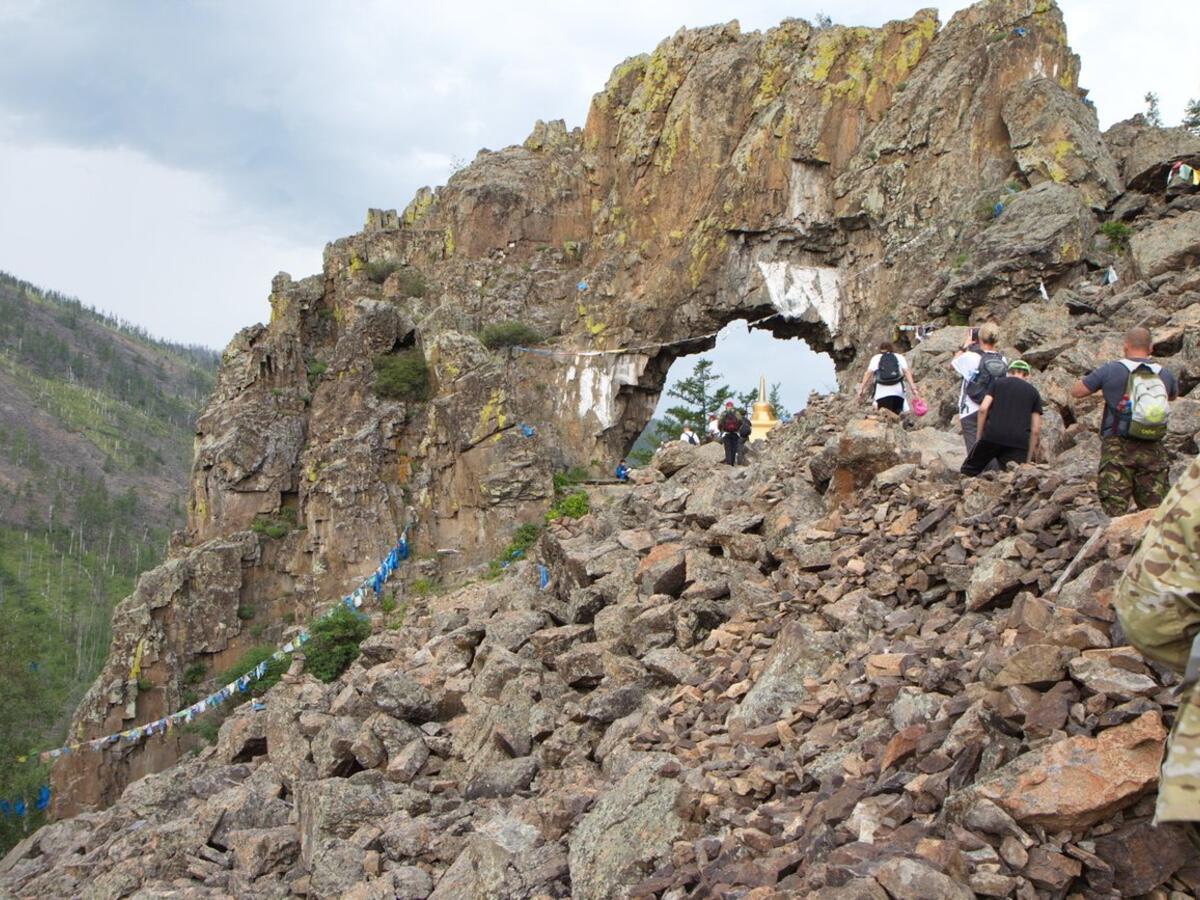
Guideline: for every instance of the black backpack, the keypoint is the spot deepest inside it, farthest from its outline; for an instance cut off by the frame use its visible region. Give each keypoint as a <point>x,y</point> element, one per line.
<point>992,368</point>
<point>889,370</point>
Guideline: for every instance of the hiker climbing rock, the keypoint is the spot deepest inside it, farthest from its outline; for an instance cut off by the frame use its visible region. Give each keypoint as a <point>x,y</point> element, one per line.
<point>730,425</point>
<point>1158,604</point>
<point>979,364</point>
<point>1010,422</point>
<point>1137,393</point>
<point>891,373</point>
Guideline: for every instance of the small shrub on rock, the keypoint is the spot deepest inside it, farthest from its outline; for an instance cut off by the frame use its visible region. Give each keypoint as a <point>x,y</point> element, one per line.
<point>571,506</point>
<point>508,334</point>
<point>333,643</point>
<point>1118,233</point>
<point>402,376</point>
<point>379,270</point>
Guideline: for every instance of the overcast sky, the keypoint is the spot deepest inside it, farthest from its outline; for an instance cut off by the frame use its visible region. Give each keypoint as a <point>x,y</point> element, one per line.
<point>162,160</point>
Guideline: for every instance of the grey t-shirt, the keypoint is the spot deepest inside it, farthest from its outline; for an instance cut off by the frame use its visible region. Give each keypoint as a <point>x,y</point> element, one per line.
<point>1111,379</point>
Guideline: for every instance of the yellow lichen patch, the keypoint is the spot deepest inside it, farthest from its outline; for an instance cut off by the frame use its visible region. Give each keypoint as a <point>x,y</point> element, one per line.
<point>595,329</point>
<point>1062,149</point>
<point>824,54</point>
<point>668,145</point>
<point>313,472</point>
<point>491,412</point>
<point>356,264</point>
<point>448,241</point>
<point>419,207</point>
<point>1068,252</point>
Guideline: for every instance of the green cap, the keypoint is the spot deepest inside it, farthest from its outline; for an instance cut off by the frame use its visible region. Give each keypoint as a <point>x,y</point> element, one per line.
<point>1020,366</point>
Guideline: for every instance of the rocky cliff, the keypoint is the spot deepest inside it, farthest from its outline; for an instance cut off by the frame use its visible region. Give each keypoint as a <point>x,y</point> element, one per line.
<point>828,183</point>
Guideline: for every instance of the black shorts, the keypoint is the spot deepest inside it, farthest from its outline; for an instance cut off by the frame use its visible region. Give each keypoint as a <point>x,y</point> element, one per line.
<point>895,404</point>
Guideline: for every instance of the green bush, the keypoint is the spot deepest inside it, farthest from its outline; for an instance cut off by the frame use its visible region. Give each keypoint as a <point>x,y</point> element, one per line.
<point>333,643</point>
<point>571,506</point>
<point>388,604</point>
<point>249,661</point>
<point>272,526</point>
<point>379,270</point>
<point>245,613</point>
<point>412,283</point>
<point>508,334</point>
<point>194,674</point>
<point>422,587</point>
<point>144,684</point>
<point>571,477</point>
<point>315,368</point>
<point>1118,233</point>
<point>402,376</point>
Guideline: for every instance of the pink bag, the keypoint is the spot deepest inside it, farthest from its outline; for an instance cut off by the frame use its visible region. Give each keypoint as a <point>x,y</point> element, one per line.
<point>919,407</point>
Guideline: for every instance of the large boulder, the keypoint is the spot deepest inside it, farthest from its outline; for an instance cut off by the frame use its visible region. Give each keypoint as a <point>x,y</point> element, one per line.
<point>799,653</point>
<point>1054,138</point>
<point>1168,244</point>
<point>1081,780</point>
<point>1144,152</point>
<point>631,826</point>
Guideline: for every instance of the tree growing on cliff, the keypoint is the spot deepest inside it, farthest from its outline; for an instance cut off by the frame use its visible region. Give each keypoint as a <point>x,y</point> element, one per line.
<point>1191,115</point>
<point>1153,115</point>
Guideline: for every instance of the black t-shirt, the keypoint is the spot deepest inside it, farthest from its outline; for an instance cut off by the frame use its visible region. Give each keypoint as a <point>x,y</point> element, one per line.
<point>1014,401</point>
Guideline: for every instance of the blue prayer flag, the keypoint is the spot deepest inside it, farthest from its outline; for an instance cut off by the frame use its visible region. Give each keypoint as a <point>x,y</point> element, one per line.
<point>5,809</point>
<point>543,577</point>
<point>43,797</point>
<point>19,808</point>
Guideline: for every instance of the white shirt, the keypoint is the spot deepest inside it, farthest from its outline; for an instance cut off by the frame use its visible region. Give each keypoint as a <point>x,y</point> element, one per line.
<point>712,428</point>
<point>967,365</point>
<point>689,437</point>
<point>888,390</point>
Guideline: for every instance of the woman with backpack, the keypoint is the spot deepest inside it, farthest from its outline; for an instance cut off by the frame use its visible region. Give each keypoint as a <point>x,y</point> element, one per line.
<point>891,372</point>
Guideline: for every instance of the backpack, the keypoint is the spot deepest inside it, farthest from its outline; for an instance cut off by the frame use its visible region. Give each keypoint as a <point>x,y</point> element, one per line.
<point>992,368</point>
<point>730,421</point>
<point>889,370</point>
<point>1145,408</point>
<point>744,427</point>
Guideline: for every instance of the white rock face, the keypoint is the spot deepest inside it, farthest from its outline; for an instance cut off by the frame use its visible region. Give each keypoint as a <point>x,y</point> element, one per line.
<point>809,293</point>
<point>598,379</point>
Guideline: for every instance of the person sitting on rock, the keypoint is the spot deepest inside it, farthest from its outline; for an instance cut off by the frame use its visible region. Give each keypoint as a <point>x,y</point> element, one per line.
<point>1010,422</point>
<point>712,431</point>
<point>729,425</point>
<point>622,471</point>
<point>979,363</point>
<point>688,436</point>
<point>891,373</point>
<point>1158,604</point>
<point>1134,464</point>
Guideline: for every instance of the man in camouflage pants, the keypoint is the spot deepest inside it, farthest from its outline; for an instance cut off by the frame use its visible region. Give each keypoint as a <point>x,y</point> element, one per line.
<point>1130,470</point>
<point>1158,603</point>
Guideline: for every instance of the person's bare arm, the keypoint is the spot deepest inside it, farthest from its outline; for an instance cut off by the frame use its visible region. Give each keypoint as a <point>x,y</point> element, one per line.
<point>983,414</point>
<point>912,385</point>
<point>962,348</point>
<point>1079,390</point>
<point>1035,432</point>
<point>863,386</point>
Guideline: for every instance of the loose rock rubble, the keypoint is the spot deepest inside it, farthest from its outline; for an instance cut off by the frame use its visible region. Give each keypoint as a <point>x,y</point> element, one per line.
<point>912,686</point>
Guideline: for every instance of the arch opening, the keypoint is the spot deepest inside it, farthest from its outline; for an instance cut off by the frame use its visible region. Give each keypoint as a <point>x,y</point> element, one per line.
<point>692,381</point>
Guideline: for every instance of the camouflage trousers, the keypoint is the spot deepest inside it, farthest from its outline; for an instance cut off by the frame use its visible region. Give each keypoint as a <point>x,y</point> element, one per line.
<point>1158,604</point>
<point>1131,471</point>
<point>1163,629</point>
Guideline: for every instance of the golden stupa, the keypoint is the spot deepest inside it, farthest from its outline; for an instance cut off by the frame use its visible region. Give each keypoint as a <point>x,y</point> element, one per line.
<point>762,417</point>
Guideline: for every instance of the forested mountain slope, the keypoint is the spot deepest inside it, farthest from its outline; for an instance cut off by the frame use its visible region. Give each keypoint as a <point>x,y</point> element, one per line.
<point>95,440</point>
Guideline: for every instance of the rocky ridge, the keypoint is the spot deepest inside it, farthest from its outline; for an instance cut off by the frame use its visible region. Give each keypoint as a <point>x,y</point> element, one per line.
<point>950,170</point>
<point>841,671</point>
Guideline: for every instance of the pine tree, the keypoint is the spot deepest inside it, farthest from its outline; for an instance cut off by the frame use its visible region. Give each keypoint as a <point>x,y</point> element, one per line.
<point>1191,116</point>
<point>1153,116</point>
<point>701,394</point>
